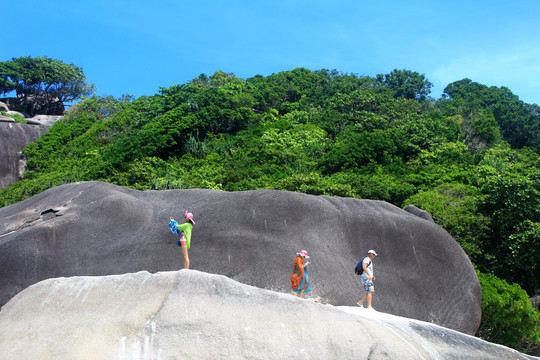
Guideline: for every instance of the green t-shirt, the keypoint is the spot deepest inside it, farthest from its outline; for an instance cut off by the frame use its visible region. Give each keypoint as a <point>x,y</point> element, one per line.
<point>186,228</point>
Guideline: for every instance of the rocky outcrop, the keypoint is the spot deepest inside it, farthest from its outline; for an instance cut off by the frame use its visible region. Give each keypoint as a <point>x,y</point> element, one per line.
<point>194,315</point>
<point>95,228</point>
<point>47,120</point>
<point>13,138</point>
<point>35,104</point>
<point>3,106</point>
<point>6,119</point>
<point>418,212</point>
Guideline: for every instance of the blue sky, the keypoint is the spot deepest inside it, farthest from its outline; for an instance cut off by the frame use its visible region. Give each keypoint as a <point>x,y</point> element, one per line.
<point>135,47</point>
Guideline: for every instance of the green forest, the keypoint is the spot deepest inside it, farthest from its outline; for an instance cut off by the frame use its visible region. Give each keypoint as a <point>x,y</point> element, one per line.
<point>470,158</point>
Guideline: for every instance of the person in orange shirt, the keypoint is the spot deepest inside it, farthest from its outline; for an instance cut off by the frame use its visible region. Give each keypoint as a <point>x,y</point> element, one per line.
<point>299,276</point>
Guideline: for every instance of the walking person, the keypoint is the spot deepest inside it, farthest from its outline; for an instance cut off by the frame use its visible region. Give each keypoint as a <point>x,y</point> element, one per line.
<point>184,233</point>
<point>367,278</point>
<point>299,276</point>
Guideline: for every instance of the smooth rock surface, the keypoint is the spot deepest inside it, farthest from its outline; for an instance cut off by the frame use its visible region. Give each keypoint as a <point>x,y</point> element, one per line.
<point>95,228</point>
<point>418,212</point>
<point>13,138</point>
<point>6,119</point>
<point>48,120</point>
<point>193,315</point>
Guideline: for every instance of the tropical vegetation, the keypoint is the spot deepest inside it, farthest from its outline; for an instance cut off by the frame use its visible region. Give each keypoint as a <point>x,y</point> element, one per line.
<point>470,158</point>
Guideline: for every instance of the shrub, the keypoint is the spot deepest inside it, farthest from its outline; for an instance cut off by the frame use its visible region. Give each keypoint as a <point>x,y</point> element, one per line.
<point>508,317</point>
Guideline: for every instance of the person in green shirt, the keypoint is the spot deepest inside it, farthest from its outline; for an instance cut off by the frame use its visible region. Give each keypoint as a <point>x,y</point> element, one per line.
<point>184,233</point>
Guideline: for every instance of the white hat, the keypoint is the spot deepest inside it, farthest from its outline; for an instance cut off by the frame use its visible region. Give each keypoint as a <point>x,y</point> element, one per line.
<point>372,252</point>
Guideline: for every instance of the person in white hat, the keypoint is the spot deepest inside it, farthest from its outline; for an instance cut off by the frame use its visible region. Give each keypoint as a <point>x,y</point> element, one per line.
<point>367,279</point>
<point>299,276</point>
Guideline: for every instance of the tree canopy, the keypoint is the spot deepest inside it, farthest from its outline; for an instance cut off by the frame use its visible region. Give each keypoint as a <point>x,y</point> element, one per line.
<point>406,84</point>
<point>43,77</point>
<point>519,123</point>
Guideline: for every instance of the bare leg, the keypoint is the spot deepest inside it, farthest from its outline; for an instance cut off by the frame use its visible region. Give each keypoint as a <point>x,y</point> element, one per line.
<point>369,297</point>
<point>361,302</point>
<point>185,257</point>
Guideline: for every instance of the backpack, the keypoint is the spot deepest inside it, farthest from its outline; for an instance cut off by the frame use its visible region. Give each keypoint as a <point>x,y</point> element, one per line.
<point>358,269</point>
<point>174,228</point>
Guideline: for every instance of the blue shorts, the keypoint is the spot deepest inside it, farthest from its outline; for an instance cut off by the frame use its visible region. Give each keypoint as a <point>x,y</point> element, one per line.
<point>368,284</point>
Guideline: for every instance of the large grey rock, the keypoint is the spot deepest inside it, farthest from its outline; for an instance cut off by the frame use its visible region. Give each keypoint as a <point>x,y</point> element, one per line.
<point>94,228</point>
<point>3,106</point>
<point>193,315</point>
<point>48,120</point>
<point>35,104</point>
<point>6,119</point>
<point>13,138</point>
<point>418,212</point>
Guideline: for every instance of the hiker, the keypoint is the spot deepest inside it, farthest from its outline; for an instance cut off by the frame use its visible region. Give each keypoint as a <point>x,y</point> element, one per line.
<point>184,233</point>
<point>299,276</point>
<point>367,278</point>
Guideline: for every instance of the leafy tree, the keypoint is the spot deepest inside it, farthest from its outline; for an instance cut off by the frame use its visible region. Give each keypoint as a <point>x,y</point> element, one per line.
<point>508,317</point>
<point>511,200</point>
<point>355,149</point>
<point>454,207</point>
<point>519,123</point>
<point>406,84</point>
<point>524,246</point>
<point>50,79</point>
<point>479,130</point>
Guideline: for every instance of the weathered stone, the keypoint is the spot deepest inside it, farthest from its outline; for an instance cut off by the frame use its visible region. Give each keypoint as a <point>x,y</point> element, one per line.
<point>47,120</point>
<point>250,236</point>
<point>35,104</point>
<point>13,138</point>
<point>418,212</point>
<point>6,119</point>
<point>3,106</point>
<point>33,122</point>
<point>192,315</point>
<point>12,112</point>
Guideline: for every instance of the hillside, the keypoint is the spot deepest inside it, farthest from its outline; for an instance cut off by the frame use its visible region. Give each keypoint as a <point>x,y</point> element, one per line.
<point>471,158</point>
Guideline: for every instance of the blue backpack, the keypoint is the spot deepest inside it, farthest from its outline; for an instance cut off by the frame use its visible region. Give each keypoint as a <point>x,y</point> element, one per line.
<point>358,269</point>
<point>172,226</point>
<point>174,229</point>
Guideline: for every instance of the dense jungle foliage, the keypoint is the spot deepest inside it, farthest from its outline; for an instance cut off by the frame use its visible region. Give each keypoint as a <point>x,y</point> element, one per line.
<point>470,158</point>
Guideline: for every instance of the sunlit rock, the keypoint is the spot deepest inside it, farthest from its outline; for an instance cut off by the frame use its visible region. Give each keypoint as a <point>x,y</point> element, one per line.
<point>193,315</point>
<point>94,228</point>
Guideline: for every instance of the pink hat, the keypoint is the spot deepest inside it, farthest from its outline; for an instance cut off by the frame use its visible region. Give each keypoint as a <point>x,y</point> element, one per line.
<point>303,253</point>
<point>189,216</point>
